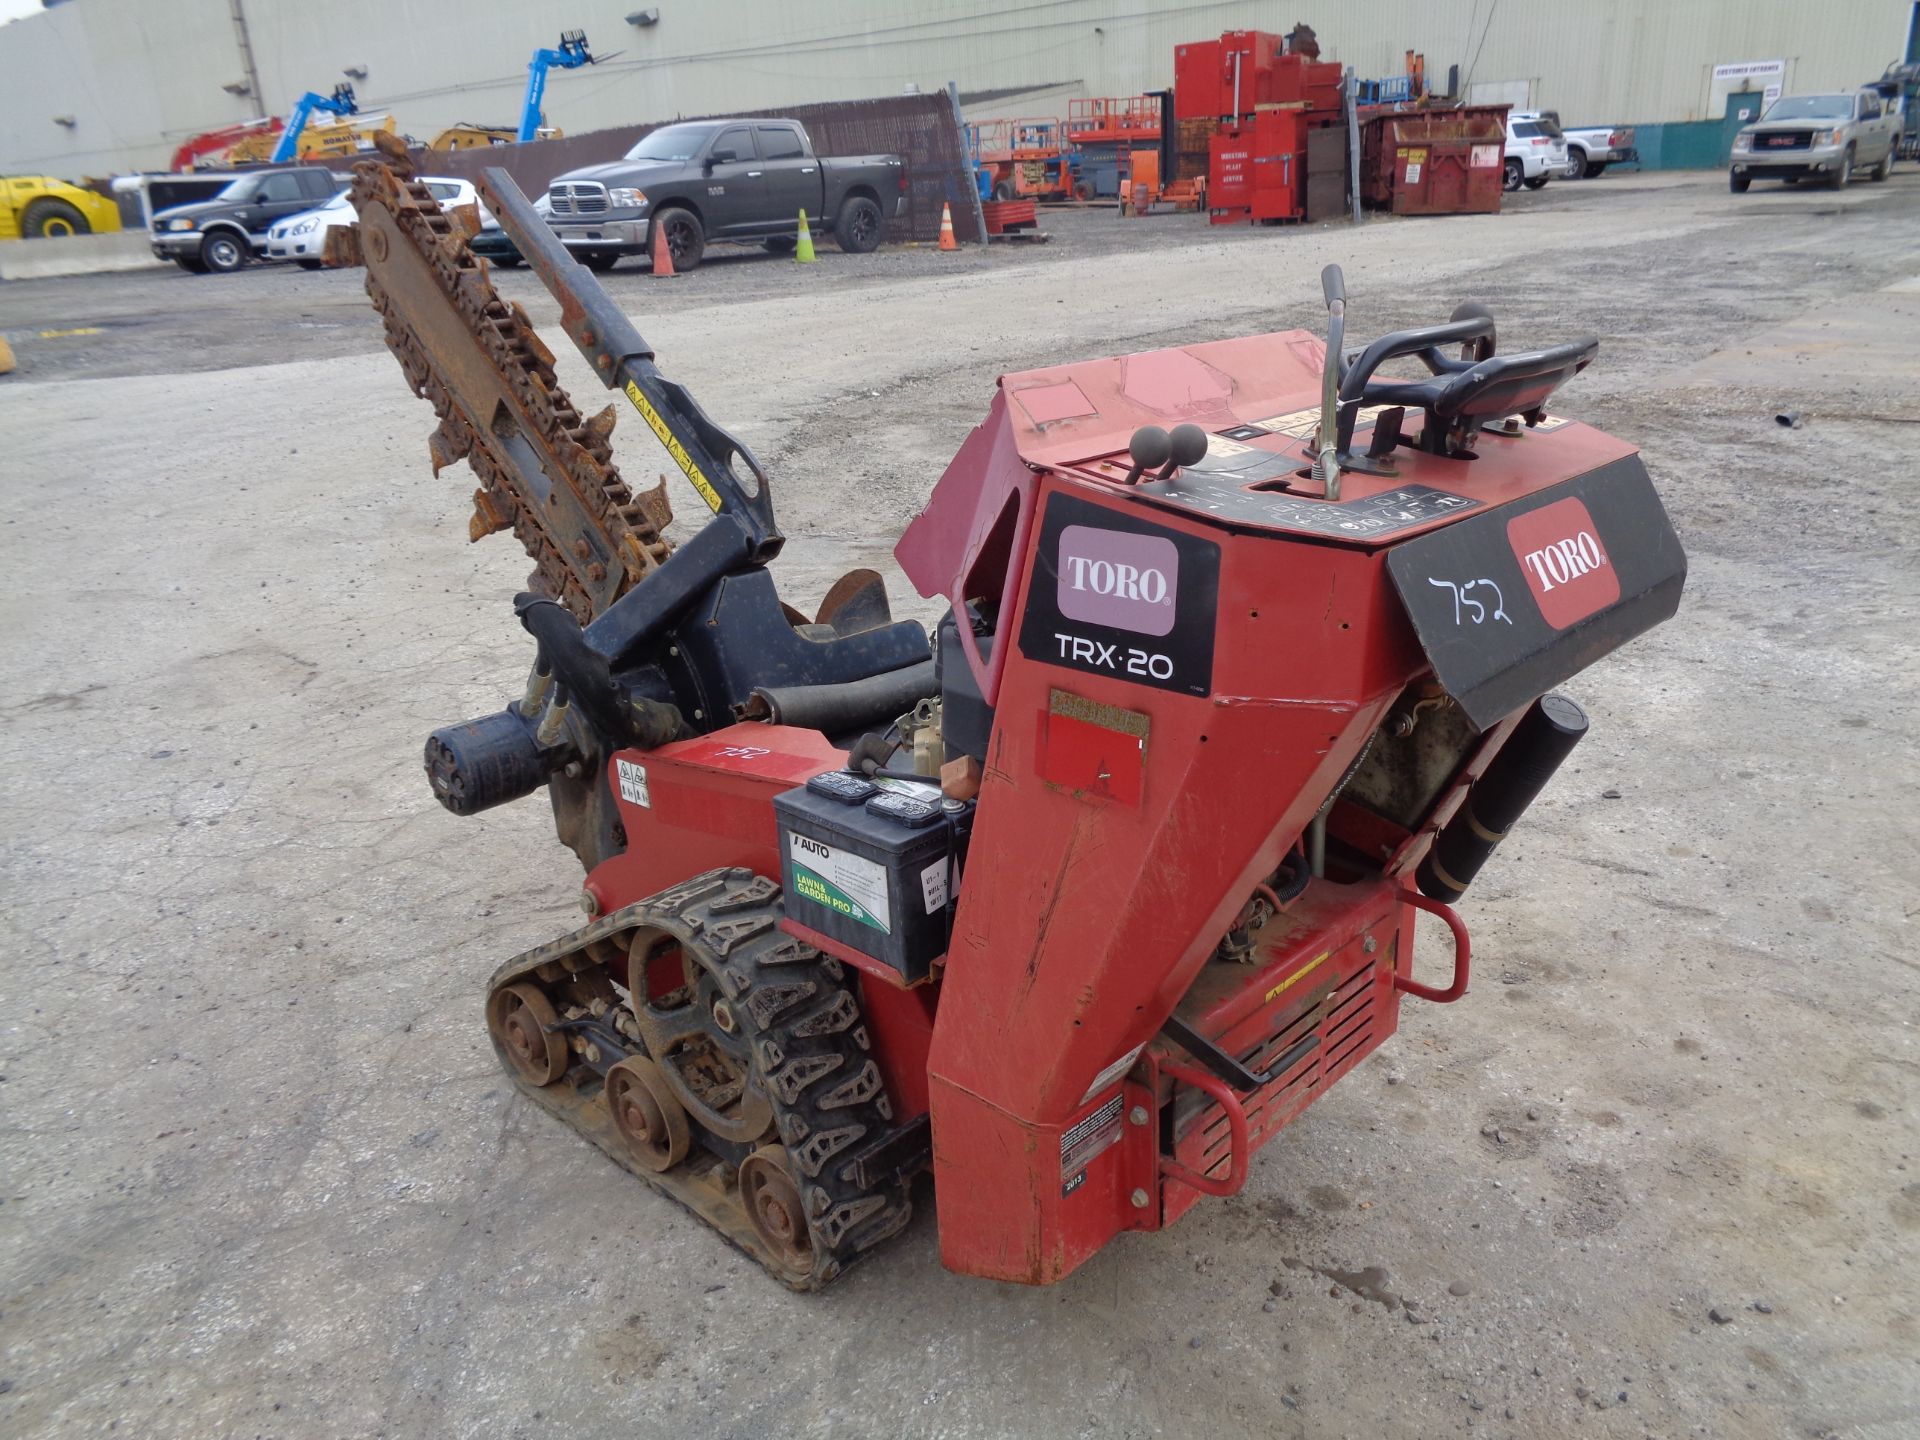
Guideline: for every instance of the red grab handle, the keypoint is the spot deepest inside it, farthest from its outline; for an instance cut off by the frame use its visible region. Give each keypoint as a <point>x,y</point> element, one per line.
<point>1239,1148</point>
<point>1462,953</point>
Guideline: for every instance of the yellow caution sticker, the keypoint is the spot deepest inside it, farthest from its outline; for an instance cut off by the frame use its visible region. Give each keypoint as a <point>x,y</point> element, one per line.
<point>1300,424</point>
<point>1305,969</point>
<point>674,448</point>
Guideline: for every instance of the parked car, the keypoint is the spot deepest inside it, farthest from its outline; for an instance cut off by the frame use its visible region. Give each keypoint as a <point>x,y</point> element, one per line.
<point>302,238</point>
<point>1536,150</point>
<point>1590,151</point>
<point>744,181</point>
<point>1817,137</point>
<point>223,233</point>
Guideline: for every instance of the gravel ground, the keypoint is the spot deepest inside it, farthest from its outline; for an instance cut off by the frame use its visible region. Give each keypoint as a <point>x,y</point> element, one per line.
<point>259,1174</point>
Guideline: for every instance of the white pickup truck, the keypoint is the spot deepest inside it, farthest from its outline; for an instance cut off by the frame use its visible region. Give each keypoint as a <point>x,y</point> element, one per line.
<point>1591,150</point>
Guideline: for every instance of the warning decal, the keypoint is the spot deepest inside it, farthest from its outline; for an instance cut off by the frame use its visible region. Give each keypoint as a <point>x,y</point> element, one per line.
<point>633,783</point>
<point>1085,1140</point>
<point>848,884</point>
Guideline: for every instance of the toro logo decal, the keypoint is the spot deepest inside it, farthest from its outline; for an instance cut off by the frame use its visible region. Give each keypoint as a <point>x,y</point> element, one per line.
<point>1565,565</point>
<point>1108,577</point>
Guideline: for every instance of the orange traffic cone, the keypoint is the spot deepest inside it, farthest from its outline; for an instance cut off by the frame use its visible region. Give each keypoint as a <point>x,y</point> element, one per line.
<point>947,242</point>
<point>662,252</point>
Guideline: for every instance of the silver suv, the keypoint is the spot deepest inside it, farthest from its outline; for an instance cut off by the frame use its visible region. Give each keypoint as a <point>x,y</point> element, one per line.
<point>1817,137</point>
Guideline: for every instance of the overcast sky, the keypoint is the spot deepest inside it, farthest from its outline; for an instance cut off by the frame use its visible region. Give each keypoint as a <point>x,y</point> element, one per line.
<point>14,9</point>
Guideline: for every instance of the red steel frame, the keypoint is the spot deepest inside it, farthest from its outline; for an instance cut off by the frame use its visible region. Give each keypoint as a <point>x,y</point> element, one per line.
<point>1096,887</point>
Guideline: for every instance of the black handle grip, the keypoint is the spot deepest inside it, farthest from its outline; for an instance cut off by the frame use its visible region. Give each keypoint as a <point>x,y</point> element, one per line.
<point>1333,284</point>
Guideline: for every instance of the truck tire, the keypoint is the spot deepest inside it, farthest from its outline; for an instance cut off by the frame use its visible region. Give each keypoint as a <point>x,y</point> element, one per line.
<point>49,219</point>
<point>859,228</point>
<point>1844,175</point>
<point>601,261</point>
<point>1577,163</point>
<point>1596,168</point>
<point>1510,181</point>
<point>1003,190</point>
<point>223,252</point>
<point>1884,168</point>
<point>1738,183</point>
<point>686,237</point>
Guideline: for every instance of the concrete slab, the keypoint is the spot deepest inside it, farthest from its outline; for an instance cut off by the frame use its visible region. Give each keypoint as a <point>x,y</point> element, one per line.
<point>76,255</point>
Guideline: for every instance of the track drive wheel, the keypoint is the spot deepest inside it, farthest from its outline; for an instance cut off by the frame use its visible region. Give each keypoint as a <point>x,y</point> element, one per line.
<point>775,1209</point>
<point>647,1114</point>
<point>762,1040</point>
<point>522,1020</point>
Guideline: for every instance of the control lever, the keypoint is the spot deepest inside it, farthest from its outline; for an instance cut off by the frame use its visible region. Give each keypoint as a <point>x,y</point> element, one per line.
<point>1189,448</point>
<point>1326,463</point>
<point>1150,446</point>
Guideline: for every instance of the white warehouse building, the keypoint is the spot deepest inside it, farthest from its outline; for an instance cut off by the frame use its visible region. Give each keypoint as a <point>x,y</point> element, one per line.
<point>95,87</point>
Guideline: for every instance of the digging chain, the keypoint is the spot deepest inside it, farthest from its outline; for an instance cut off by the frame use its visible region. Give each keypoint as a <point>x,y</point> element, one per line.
<point>630,524</point>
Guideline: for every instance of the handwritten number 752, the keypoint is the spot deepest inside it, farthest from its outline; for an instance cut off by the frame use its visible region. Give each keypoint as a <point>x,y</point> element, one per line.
<point>1463,598</point>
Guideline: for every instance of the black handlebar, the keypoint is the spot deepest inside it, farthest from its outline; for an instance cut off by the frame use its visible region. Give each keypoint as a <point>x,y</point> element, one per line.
<point>1425,343</point>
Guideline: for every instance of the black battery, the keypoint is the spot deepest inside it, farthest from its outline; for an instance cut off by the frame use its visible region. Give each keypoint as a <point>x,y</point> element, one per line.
<point>875,867</point>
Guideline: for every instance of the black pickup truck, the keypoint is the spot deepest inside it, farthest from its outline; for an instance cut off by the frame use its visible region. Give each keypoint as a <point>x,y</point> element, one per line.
<point>734,180</point>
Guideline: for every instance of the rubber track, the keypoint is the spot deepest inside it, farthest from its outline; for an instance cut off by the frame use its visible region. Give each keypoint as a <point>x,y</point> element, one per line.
<point>811,1047</point>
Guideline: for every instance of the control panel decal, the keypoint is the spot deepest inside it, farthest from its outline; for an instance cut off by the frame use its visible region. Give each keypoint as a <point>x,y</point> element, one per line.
<point>1367,517</point>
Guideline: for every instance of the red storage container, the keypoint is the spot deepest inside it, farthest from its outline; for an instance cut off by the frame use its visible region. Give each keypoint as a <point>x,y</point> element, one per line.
<point>1230,176</point>
<point>1279,165</point>
<point>1434,162</point>
<point>1196,81</point>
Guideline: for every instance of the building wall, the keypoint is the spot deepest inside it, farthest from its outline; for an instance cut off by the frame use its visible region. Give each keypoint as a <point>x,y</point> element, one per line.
<point>139,77</point>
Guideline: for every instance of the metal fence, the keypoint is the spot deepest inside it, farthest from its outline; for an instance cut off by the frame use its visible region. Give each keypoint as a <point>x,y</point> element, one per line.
<point>920,129</point>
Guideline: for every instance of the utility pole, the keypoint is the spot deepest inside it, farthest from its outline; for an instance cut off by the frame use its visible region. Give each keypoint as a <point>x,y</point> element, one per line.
<point>973,187</point>
<point>245,43</point>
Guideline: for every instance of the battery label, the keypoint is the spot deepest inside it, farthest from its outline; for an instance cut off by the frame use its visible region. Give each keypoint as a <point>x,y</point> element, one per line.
<point>1079,1145</point>
<point>933,886</point>
<point>848,884</point>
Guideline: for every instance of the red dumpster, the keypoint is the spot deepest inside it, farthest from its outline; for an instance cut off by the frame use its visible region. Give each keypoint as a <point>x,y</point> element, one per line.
<point>1433,162</point>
